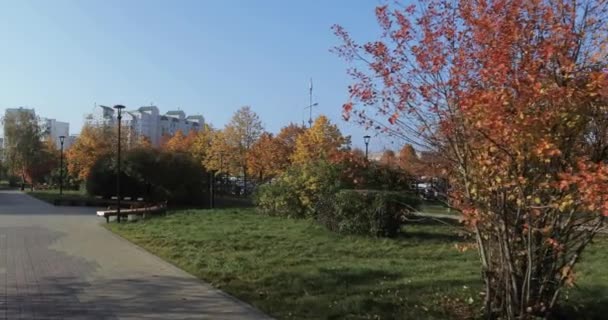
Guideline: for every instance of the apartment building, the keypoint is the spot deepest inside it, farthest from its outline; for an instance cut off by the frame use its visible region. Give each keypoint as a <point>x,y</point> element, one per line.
<point>147,121</point>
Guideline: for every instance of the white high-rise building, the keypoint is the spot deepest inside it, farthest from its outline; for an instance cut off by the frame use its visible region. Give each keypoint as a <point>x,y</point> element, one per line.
<point>55,129</point>
<point>148,122</point>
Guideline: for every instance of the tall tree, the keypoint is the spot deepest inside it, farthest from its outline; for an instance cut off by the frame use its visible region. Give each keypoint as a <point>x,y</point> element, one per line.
<point>23,142</point>
<point>44,162</point>
<point>388,159</point>
<point>201,144</point>
<point>177,143</point>
<point>319,142</point>
<point>408,159</point>
<point>513,95</point>
<point>285,146</point>
<point>240,134</point>
<point>92,144</point>
<point>143,142</point>
<point>262,157</point>
<point>220,155</point>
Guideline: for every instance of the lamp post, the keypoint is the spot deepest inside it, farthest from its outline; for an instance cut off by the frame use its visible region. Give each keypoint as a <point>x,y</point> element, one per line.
<point>119,109</point>
<point>366,140</point>
<point>61,140</point>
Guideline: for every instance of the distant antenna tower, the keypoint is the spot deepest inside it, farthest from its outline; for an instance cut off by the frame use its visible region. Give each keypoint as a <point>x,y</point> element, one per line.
<point>310,105</point>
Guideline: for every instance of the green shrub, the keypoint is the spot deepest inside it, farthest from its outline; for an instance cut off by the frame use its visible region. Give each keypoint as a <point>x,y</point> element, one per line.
<point>279,199</point>
<point>102,180</point>
<point>152,174</point>
<point>172,176</point>
<point>297,191</point>
<point>365,212</point>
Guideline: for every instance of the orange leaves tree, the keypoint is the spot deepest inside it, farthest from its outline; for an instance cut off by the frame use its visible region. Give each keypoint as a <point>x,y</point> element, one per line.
<point>271,155</point>
<point>180,142</point>
<point>408,159</point>
<point>513,95</point>
<point>262,157</point>
<point>285,146</point>
<point>92,144</point>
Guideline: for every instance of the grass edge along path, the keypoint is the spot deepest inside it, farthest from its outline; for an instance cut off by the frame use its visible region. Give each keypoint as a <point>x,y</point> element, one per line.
<point>295,269</point>
<point>50,195</point>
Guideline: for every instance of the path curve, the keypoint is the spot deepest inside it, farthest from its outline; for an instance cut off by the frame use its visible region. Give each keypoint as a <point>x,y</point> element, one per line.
<point>59,263</point>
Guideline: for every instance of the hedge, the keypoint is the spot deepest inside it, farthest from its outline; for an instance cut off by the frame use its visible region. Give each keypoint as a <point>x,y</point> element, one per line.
<point>365,212</point>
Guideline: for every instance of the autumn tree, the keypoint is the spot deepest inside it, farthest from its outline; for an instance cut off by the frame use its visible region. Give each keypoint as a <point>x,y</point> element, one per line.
<point>353,166</point>
<point>45,161</point>
<point>93,143</point>
<point>201,143</point>
<point>144,142</point>
<point>513,95</point>
<point>408,159</point>
<point>218,156</point>
<point>177,143</point>
<point>388,159</point>
<point>239,135</point>
<point>262,157</point>
<point>23,143</point>
<point>321,141</point>
<point>285,146</point>
<point>190,138</point>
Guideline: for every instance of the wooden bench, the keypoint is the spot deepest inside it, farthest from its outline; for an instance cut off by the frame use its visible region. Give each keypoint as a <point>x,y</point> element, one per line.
<point>144,212</point>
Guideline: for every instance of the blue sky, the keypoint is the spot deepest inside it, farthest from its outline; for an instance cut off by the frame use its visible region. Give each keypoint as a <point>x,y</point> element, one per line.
<point>207,57</point>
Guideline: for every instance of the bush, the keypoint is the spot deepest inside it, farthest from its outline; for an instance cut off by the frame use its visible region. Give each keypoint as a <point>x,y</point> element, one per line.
<point>295,193</point>
<point>278,199</point>
<point>172,176</point>
<point>153,174</point>
<point>102,180</point>
<point>365,212</point>
<point>355,172</point>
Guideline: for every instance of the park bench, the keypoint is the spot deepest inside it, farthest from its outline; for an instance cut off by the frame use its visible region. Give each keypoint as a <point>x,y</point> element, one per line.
<point>144,212</point>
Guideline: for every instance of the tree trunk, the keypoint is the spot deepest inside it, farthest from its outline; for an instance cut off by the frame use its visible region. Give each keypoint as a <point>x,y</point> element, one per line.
<point>244,180</point>
<point>22,181</point>
<point>524,270</point>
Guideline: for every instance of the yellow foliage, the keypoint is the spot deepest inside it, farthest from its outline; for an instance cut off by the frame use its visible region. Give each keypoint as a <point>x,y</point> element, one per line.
<point>321,141</point>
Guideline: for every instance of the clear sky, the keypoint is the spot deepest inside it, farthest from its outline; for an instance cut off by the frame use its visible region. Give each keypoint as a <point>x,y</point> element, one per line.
<point>202,56</point>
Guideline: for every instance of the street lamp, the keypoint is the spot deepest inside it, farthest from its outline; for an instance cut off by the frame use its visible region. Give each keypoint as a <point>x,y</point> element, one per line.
<point>119,109</point>
<point>366,140</point>
<point>61,140</point>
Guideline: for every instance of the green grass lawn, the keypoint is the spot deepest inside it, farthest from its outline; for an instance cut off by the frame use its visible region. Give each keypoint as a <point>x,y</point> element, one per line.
<point>436,207</point>
<point>295,269</point>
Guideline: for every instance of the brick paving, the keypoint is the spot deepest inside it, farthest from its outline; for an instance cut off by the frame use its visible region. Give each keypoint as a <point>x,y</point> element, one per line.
<point>59,263</point>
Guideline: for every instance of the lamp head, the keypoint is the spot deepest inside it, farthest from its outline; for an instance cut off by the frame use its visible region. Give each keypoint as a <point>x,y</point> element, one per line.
<point>366,139</point>
<point>119,108</point>
<point>61,139</point>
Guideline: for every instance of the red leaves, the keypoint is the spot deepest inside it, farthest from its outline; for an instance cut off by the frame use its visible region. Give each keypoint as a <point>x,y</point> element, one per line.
<point>393,119</point>
<point>480,75</point>
<point>383,17</point>
<point>346,110</point>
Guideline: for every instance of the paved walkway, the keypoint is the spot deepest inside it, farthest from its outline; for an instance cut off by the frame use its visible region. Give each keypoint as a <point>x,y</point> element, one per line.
<point>59,263</point>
